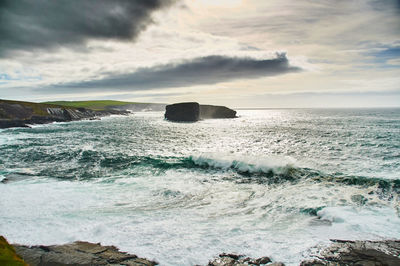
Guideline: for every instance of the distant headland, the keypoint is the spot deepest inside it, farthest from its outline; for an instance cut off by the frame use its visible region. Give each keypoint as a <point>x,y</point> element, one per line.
<point>23,114</point>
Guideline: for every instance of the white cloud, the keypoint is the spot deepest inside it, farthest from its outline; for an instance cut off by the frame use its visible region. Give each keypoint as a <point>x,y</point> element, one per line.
<point>330,40</point>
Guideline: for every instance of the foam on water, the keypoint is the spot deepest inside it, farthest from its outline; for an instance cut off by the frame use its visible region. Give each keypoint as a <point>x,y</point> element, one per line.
<point>250,164</point>
<point>363,223</point>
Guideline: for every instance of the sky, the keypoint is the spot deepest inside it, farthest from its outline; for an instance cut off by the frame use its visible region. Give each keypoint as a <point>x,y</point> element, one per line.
<point>238,53</point>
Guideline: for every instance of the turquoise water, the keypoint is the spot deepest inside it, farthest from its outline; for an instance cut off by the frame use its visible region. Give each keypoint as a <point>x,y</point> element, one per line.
<point>271,182</point>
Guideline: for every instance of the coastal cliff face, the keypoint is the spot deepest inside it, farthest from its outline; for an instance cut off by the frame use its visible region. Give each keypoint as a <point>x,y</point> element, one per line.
<point>23,114</point>
<point>192,112</point>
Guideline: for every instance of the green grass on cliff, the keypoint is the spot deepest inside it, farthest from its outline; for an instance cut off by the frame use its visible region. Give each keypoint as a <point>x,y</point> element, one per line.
<point>8,256</point>
<point>94,105</point>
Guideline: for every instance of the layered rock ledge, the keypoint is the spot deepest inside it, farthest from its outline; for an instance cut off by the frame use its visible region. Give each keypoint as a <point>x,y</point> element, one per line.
<point>193,111</point>
<point>363,253</point>
<point>78,253</point>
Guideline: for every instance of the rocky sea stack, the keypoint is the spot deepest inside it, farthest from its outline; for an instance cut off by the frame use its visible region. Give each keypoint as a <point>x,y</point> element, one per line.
<point>193,111</point>
<point>185,112</point>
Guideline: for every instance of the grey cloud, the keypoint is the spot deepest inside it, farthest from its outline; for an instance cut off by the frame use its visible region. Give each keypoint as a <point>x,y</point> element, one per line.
<point>43,24</point>
<point>198,71</point>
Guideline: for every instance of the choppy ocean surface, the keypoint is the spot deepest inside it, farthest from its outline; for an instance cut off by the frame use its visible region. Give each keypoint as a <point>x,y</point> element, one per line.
<point>269,183</point>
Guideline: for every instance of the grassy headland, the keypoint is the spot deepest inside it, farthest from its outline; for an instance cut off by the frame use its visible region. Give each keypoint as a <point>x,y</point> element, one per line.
<point>23,114</point>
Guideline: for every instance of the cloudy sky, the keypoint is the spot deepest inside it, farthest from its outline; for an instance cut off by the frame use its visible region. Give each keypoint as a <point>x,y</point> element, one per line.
<point>240,53</point>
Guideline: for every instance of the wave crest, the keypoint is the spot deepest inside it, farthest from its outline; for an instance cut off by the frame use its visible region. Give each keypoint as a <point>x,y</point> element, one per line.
<point>246,164</point>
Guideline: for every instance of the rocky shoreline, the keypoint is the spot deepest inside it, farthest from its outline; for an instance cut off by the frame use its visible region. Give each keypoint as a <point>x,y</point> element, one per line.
<point>24,114</point>
<point>340,252</point>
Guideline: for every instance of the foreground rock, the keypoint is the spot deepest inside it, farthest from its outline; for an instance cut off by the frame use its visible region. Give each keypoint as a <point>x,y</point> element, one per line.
<point>23,114</point>
<point>192,112</point>
<point>239,260</point>
<point>78,253</point>
<point>343,252</point>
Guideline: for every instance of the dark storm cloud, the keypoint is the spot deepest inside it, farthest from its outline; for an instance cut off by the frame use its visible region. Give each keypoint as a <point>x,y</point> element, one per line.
<point>33,24</point>
<point>198,71</point>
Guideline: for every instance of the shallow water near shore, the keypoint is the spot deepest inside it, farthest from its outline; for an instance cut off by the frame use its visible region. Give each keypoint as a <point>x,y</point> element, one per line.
<point>270,183</point>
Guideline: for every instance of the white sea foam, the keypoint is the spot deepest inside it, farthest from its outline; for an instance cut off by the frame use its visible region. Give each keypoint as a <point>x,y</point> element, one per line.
<point>246,163</point>
<point>379,222</point>
<point>140,194</point>
<point>186,218</point>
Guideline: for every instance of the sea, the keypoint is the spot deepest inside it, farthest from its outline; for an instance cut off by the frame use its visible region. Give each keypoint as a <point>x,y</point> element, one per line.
<point>274,182</point>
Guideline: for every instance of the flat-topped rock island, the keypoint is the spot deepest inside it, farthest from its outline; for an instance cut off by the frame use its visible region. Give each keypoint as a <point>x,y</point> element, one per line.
<point>193,111</point>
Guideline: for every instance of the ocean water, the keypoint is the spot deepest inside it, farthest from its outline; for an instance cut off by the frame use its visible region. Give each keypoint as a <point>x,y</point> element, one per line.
<point>275,183</point>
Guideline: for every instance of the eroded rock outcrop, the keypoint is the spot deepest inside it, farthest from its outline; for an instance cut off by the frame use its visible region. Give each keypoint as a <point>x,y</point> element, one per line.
<point>192,112</point>
<point>225,259</point>
<point>78,253</point>
<point>344,252</point>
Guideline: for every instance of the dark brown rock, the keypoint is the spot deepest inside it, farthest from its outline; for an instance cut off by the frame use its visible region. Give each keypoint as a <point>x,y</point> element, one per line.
<point>228,259</point>
<point>78,253</point>
<point>233,256</point>
<point>263,260</point>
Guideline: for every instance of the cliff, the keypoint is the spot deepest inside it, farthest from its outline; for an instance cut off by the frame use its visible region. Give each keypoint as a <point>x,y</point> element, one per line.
<point>193,111</point>
<point>23,114</point>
